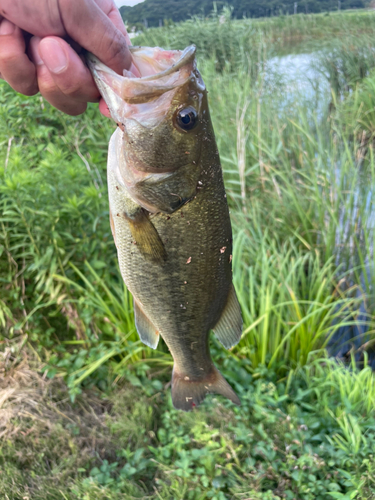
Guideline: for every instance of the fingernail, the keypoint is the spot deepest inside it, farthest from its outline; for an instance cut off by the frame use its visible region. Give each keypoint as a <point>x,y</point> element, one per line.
<point>6,27</point>
<point>53,55</point>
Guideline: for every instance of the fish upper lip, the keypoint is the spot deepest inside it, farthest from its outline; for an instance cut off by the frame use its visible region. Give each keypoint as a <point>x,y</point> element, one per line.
<point>186,57</point>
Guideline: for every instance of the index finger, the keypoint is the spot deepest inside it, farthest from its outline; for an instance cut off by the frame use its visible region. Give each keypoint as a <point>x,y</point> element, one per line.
<point>110,9</point>
<point>91,27</point>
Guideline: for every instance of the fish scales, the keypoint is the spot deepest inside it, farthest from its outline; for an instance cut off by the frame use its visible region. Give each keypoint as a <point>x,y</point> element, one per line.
<point>176,261</point>
<point>172,305</point>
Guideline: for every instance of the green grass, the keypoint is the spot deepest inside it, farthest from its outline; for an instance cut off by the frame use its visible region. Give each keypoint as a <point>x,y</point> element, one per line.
<point>97,420</point>
<point>293,440</point>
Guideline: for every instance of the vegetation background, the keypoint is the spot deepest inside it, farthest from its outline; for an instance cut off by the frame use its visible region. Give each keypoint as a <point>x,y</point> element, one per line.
<point>155,12</point>
<point>85,409</point>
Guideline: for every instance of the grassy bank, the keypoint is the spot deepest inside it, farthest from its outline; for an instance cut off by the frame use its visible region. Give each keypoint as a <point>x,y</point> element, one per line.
<point>299,172</point>
<point>286,441</point>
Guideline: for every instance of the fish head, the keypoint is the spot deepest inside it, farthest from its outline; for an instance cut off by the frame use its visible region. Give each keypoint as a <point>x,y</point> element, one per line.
<point>162,113</point>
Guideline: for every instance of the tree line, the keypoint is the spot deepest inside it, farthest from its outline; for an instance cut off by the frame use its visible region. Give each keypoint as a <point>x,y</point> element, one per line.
<point>156,12</point>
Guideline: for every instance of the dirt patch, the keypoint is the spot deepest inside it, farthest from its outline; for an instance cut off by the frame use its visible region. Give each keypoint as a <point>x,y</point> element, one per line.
<point>48,443</point>
<point>28,398</point>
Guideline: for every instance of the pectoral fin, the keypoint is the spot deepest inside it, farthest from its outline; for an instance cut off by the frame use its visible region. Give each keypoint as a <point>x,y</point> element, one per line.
<point>228,329</point>
<point>146,330</point>
<point>146,237</point>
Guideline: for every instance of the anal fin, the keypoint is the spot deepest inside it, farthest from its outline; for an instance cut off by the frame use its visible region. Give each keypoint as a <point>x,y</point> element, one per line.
<point>228,329</point>
<point>146,330</point>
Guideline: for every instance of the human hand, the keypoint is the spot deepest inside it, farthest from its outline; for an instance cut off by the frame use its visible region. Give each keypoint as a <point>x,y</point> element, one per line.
<point>36,48</point>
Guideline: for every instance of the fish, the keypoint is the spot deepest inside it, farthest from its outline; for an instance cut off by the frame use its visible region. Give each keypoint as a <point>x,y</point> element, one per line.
<point>169,215</point>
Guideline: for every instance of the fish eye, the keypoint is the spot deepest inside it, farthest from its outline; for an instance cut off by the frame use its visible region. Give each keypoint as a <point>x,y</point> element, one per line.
<point>187,118</point>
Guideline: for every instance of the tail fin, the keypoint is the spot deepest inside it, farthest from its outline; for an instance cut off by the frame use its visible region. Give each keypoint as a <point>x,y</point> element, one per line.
<point>188,393</point>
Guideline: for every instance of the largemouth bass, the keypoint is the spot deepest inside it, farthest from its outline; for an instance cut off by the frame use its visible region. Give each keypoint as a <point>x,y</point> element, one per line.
<point>169,215</point>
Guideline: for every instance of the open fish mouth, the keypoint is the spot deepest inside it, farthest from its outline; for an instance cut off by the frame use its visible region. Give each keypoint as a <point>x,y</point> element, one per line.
<point>154,63</point>
<point>147,98</point>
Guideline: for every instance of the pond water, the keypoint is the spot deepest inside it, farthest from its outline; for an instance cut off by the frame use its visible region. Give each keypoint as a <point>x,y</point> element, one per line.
<point>303,81</point>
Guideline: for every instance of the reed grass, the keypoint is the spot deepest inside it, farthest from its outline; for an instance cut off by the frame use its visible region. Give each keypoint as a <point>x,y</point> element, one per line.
<point>349,391</point>
<point>234,42</point>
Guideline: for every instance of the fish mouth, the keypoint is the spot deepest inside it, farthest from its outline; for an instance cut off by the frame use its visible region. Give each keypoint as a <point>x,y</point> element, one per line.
<point>147,59</point>
<point>147,98</point>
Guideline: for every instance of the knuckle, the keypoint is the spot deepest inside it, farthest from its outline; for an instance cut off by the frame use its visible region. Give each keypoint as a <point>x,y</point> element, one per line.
<point>77,86</point>
<point>72,91</point>
<point>116,49</point>
<point>48,88</point>
<point>28,89</point>
<point>21,79</point>
<point>72,110</point>
<point>8,59</point>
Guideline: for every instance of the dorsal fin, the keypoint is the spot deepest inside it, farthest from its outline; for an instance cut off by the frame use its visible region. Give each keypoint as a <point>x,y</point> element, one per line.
<point>228,329</point>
